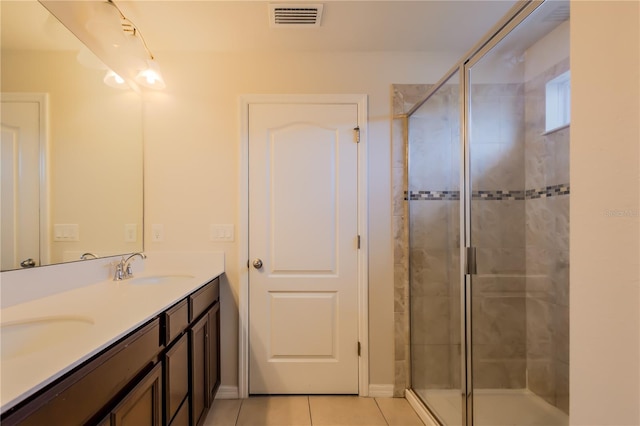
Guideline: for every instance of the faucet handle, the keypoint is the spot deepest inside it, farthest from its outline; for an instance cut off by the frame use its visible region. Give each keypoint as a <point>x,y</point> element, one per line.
<point>126,264</point>
<point>119,274</point>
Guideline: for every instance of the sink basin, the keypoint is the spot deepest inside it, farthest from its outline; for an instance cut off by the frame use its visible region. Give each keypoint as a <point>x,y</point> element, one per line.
<point>159,279</point>
<point>35,334</point>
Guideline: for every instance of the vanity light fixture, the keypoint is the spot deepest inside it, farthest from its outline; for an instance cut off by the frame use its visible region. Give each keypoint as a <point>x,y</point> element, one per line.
<point>112,79</point>
<point>150,77</point>
<point>138,56</point>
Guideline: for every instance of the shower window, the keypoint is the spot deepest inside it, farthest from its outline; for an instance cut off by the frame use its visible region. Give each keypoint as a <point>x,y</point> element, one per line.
<point>558,102</point>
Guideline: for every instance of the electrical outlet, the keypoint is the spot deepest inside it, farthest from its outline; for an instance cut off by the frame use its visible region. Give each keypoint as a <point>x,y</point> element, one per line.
<point>130,233</point>
<point>157,233</point>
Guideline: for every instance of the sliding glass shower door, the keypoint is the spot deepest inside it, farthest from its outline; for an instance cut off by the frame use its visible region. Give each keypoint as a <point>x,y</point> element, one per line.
<point>434,165</point>
<point>488,207</point>
<point>518,156</point>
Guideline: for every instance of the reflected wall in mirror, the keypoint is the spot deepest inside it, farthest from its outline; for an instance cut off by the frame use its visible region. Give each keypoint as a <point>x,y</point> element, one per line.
<point>88,182</point>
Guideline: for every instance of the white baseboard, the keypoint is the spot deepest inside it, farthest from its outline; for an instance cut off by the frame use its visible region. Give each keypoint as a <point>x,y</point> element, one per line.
<point>227,392</point>
<point>381,391</point>
<point>417,406</point>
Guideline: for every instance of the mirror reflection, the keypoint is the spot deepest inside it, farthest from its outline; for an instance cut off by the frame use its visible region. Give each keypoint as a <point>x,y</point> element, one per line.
<point>71,157</point>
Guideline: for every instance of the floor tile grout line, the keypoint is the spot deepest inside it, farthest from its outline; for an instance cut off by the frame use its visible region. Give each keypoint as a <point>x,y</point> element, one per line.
<point>381,412</point>
<point>309,406</point>
<point>239,409</point>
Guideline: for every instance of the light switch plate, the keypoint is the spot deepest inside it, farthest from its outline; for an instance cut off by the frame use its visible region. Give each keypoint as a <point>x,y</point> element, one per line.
<point>66,232</point>
<point>157,233</point>
<point>222,232</point>
<point>130,233</point>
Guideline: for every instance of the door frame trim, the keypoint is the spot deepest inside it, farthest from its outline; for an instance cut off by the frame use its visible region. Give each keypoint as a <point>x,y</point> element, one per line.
<point>361,101</point>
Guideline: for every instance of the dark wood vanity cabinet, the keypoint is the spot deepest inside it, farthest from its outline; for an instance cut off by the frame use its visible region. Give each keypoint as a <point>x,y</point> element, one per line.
<point>143,404</point>
<point>83,395</point>
<point>176,365</point>
<point>164,373</point>
<point>199,369</point>
<point>201,335</point>
<point>214,351</point>
<point>205,358</point>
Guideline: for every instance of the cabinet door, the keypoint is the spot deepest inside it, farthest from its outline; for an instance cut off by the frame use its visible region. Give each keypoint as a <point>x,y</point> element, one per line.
<point>143,405</point>
<point>199,369</point>
<point>176,378</point>
<point>214,352</point>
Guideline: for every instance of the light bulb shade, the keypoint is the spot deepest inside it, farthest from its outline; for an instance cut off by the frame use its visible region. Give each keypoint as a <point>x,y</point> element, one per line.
<point>106,24</point>
<point>150,77</point>
<point>112,79</point>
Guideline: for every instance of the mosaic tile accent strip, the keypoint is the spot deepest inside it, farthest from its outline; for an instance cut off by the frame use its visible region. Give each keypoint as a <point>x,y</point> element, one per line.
<point>434,195</point>
<point>548,191</point>
<point>497,195</point>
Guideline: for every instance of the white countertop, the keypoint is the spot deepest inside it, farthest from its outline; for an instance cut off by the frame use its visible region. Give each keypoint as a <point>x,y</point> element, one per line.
<point>113,308</point>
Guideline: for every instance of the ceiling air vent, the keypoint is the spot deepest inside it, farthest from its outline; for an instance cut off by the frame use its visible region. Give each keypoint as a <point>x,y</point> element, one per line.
<point>295,15</point>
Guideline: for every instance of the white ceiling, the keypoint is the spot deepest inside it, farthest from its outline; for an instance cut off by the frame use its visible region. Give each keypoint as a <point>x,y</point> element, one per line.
<point>346,25</point>
<point>243,26</point>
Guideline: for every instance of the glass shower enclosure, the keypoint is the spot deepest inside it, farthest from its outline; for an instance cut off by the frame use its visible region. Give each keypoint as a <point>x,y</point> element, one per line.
<point>488,229</point>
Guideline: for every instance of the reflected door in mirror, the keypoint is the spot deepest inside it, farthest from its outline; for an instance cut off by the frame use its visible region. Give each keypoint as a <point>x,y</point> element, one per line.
<point>21,178</point>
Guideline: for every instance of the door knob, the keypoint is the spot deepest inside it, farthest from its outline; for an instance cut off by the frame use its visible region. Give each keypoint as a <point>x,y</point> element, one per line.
<point>257,263</point>
<point>28,263</point>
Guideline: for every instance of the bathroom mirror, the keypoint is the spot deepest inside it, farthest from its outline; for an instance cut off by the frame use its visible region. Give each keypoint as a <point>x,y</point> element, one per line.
<point>85,191</point>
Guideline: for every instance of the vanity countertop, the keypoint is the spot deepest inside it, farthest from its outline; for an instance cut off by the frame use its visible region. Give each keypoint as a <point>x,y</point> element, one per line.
<point>100,314</point>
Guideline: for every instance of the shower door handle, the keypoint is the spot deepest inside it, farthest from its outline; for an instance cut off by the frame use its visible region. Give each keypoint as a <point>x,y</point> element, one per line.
<point>472,266</point>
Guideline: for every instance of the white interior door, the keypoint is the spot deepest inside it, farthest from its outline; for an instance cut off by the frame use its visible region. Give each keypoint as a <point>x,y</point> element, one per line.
<point>21,171</point>
<point>303,229</point>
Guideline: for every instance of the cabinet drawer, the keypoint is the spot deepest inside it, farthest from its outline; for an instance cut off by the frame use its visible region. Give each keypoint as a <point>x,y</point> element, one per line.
<point>176,320</point>
<point>203,298</point>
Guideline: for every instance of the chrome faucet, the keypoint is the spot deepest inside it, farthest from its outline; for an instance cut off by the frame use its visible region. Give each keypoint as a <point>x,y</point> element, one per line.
<point>123,268</point>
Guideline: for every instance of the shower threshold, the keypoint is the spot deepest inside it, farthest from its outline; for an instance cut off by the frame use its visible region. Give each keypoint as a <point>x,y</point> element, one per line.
<point>495,407</point>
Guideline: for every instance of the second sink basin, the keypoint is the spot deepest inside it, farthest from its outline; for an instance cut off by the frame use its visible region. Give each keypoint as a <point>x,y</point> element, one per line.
<point>35,334</point>
<point>160,279</point>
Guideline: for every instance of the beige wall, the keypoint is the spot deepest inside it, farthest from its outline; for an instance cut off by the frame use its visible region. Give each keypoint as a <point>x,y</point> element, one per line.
<point>605,215</point>
<point>192,159</point>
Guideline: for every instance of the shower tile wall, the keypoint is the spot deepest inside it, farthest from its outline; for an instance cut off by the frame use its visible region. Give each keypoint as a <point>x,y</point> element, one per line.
<point>498,232</point>
<point>547,249</point>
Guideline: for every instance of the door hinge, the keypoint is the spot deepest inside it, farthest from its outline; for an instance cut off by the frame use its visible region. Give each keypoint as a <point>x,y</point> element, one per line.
<point>357,134</point>
<point>358,242</point>
<point>359,348</point>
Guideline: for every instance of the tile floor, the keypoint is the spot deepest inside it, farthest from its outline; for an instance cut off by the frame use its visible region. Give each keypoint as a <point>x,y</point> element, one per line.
<point>312,410</point>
